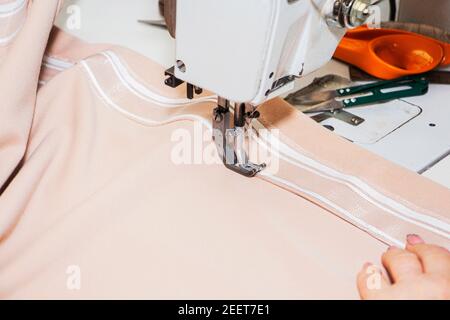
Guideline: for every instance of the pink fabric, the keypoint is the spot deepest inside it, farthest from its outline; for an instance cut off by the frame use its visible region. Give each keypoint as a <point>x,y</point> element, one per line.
<point>88,180</point>
<point>19,96</point>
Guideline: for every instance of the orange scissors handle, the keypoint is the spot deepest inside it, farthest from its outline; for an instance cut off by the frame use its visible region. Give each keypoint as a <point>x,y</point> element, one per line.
<point>446,60</point>
<point>390,54</point>
<point>357,52</point>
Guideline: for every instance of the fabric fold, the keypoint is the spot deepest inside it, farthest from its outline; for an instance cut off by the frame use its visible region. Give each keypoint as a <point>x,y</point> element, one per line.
<point>19,74</point>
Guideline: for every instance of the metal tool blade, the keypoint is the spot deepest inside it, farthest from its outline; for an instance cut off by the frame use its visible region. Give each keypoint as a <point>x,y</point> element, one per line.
<point>315,98</point>
<point>321,107</point>
<point>342,115</point>
<point>154,23</point>
<point>323,84</point>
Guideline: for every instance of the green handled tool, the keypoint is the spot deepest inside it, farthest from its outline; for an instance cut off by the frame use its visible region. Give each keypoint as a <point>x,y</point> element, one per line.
<point>377,92</point>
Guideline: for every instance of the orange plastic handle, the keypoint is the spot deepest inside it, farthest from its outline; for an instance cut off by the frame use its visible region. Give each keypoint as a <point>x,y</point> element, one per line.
<point>364,33</point>
<point>358,53</point>
<point>390,54</point>
<point>446,60</point>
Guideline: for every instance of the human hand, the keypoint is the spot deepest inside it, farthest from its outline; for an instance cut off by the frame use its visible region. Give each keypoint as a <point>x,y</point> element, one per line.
<point>418,272</point>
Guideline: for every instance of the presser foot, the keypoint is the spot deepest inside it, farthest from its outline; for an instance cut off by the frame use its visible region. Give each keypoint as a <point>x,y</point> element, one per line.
<point>248,170</point>
<point>230,136</point>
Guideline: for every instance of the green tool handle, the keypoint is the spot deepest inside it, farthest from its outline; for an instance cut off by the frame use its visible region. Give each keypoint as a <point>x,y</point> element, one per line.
<point>379,91</point>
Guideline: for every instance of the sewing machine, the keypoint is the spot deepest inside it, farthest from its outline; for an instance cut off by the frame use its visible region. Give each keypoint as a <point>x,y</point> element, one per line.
<point>408,138</point>
<point>248,52</point>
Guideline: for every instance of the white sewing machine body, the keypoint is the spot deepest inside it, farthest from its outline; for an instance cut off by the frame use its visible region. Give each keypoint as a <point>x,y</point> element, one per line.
<point>247,51</point>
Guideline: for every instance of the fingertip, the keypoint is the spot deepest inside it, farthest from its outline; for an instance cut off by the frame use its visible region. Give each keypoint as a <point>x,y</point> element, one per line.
<point>363,273</point>
<point>414,239</point>
<point>366,265</point>
<point>390,252</point>
<point>361,282</point>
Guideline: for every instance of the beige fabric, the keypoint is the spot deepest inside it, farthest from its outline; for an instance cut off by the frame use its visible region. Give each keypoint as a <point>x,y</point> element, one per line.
<point>89,182</point>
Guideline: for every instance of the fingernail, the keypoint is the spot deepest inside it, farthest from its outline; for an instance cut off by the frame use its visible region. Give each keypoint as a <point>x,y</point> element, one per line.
<point>392,248</point>
<point>414,239</point>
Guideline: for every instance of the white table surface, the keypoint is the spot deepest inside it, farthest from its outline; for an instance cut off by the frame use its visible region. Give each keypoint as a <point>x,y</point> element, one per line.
<point>115,21</point>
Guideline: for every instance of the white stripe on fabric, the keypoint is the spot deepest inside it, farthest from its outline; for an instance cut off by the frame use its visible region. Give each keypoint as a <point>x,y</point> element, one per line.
<point>12,8</point>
